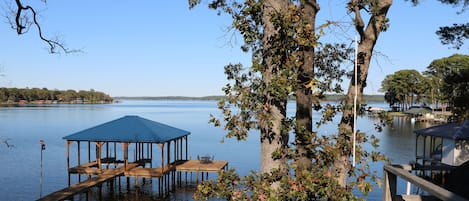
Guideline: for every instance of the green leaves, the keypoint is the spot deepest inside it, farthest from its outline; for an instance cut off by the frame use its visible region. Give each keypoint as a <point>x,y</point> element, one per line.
<point>256,98</point>
<point>404,87</point>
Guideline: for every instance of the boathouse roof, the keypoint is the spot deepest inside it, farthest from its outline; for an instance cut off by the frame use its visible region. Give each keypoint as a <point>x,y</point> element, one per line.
<point>129,129</point>
<point>456,131</point>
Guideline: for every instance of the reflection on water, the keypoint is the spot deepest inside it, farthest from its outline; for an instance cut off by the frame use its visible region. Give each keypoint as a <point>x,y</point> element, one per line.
<point>27,126</point>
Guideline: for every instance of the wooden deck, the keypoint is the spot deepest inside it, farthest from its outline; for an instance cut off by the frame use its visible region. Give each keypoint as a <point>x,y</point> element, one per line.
<point>197,166</point>
<point>87,168</point>
<point>85,185</point>
<point>147,172</point>
<point>132,171</point>
<point>179,166</point>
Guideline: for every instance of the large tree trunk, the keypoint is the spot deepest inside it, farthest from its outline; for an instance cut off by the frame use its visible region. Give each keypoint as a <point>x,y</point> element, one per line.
<point>368,38</point>
<point>304,98</point>
<point>273,138</point>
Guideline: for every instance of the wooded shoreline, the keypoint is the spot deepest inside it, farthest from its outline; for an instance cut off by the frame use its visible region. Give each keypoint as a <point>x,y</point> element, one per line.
<point>367,98</point>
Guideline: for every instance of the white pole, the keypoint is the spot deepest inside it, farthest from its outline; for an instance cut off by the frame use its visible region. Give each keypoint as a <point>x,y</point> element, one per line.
<point>355,103</point>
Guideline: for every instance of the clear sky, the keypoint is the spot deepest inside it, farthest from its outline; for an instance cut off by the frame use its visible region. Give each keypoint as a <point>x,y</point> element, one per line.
<point>161,48</point>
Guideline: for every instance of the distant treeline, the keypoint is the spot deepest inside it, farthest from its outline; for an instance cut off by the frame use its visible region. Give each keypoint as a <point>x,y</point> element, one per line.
<point>367,98</point>
<point>44,95</point>
<point>167,98</point>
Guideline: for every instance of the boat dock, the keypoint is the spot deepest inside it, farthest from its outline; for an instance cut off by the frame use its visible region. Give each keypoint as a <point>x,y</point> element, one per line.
<point>108,156</point>
<point>135,170</point>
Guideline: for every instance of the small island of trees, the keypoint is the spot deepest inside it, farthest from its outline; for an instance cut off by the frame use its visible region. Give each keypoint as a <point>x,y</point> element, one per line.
<point>445,83</point>
<point>46,96</point>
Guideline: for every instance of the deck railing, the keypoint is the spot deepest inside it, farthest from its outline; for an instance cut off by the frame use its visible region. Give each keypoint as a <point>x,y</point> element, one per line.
<point>391,172</point>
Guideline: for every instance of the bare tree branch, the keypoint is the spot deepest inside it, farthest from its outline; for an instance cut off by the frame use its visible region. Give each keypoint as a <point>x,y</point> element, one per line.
<point>22,23</point>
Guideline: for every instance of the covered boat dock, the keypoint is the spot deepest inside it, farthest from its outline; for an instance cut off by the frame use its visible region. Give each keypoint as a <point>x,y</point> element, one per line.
<point>109,158</point>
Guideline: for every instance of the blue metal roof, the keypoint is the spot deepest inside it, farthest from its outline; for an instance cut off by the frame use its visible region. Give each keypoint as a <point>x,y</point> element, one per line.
<point>454,131</point>
<point>129,129</point>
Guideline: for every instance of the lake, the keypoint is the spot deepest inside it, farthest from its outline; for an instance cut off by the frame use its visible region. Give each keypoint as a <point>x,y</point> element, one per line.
<point>26,126</point>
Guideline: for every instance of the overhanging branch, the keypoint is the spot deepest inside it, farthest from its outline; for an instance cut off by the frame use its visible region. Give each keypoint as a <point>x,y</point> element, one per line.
<point>22,24</point>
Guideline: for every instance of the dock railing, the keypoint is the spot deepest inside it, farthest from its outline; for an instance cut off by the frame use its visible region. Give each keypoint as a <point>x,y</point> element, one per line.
<point>391,172</point>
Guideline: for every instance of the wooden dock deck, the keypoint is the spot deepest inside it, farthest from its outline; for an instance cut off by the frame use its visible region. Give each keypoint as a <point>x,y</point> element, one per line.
<point>85,185</point>
<point>197,166</point>
<point>179,166</point>
<point>132,171</point>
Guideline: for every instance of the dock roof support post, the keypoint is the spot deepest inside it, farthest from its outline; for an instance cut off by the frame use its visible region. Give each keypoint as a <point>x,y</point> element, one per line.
<point>126,150</point>
<point>162,158</point>
<point>186,149</point>
<point>169,153</point>
<point>68,154</point>
<point>151,154</point>
<point>180,148</point>
<point>99,145</point>
<point>78,147</point>
<point>89,151</point>
<point>107,150</point>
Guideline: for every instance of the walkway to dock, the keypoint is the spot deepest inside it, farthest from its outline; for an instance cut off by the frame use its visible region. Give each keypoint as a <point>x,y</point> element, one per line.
<point>70,191</point>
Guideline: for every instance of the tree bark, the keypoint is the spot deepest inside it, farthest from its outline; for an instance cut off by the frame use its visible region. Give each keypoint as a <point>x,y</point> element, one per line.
<point>272,137</point>
<point>304,98</point>
<point>368,38</point>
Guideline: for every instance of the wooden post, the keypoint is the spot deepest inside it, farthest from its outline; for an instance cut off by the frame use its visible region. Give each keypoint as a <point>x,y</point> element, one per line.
<point>68,154</point>
<point>186,149</point>
<point>136,152</point>
<point>78,142</point>
<point>389,190</point>
<point>115,152</point>
<point>180,145</point>
<point>126,150</point>
<point>79,163</point>
<point>169,153</point>
<point>151,155</point>
<point>68,160</point>
<point>99,145</point>
<point>175,150</point>
<point>162,158</point>
<point>107,150</point>
<point>89,151</point>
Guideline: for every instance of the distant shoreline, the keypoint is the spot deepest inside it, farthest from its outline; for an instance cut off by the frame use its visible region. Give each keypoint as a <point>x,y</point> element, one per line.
<point>167,98</point>
<point>117,99</point>
<point>367,98</point>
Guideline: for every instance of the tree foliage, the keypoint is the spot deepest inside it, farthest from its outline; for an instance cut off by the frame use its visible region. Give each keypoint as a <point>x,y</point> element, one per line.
<point>14,95</point>
<point>404,88</point>
<point>370,20</point>
<point>247,106</point>
<point>450,76</point>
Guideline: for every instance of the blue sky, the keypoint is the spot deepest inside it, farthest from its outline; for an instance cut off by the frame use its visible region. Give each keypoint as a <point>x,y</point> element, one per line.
<point>161,48</point>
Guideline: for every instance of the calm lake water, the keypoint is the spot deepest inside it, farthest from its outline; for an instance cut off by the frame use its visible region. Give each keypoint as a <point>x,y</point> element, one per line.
<point>26,126</point>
